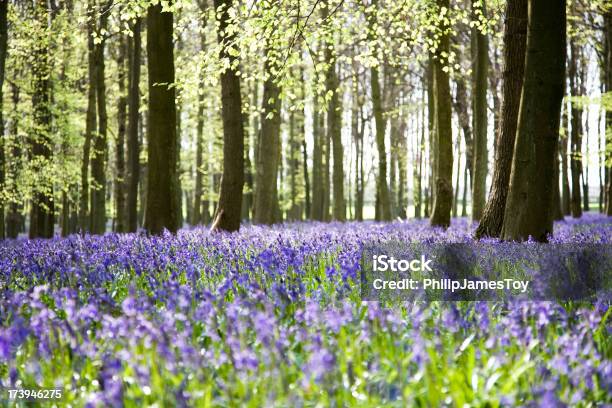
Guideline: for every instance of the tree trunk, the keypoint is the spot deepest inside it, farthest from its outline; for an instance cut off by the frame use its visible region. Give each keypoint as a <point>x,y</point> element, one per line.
<point>199,176</point>
<point>100,148</point>
<point>457,178</point>
<point>317,164</point>
<point>14,219</point>
<point>356,121</point>
<point>268,147</point>
<point>326,169</point>
<point>466,187</point>
<point>162,210</point>
<point>402,170</point>
<point>418,167</point>
<point>529,206</point>
<point>334,128</point>
<point>566,196</point>
<point>515,42</point>
<point>481,69</point>
<point>227,216</point>
<point>461,107</point>
<point>133,145</point>
<point>382,187</point>
<point>120,142</point>
<point>443,198</point>
<point>91,118</point>
<point>431,128</point>
<point>196,218</point>
<point>608,81</point>
<point>576,131</point>
<point>305,149</point>
<point>43,206</point>
<point>3,52</point>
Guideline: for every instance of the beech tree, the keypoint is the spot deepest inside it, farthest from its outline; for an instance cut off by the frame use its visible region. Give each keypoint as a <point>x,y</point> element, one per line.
<point>161,202</point>
<point>133,144</point>
<point>443,199</point>
<point>529,206</point>
<point>227,215</point>
<point>480,74</point>
<point>3,52</point>
<point>515,40</point>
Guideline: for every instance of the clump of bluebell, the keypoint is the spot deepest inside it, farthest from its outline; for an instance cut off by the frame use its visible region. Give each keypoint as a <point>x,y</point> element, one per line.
<point>272,316</point>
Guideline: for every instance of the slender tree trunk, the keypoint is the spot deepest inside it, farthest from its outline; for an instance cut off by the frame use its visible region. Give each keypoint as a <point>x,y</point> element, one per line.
<point>305,149</point>
<point>393,150</point>
<point>608,81</point>
<point>162,210</point>
<point>14,217</point>
<point>334,128</point>
<point>443,198</point>
<point>268,147</point>
<point>529,206</point>
<point>466,187</point>
<point>566,196</point>
<point>91,119</point>
<point>382,187</point>
<point>43,206</point>
<point>133,145</point>
<point>457,178</point>
<point>430,191</point>
<point>326,169</point>
<point>402,170</point>
<point>418,167</point>
<point>481,69</point>
<point>576,132</point>
<point>461,107</point>
<point>515,42</point>
<point>585,167</point>
<point>199,176</point>
<point>317,165</point>
<point>227,216</point>
<point>100,147</point>
<point>120,142</point>
<point>3,52</point>
<point>356,109</point>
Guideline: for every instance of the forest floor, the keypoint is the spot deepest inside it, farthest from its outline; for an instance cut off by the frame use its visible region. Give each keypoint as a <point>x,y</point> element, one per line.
<point>273,316</point>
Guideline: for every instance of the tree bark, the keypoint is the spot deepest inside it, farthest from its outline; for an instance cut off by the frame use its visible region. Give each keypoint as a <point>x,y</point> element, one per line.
<point>305,149</point>
<point>402,170</point>
<point>529,206</point>
<point>481,69</point>
<point>608,81</point>
<point>162,210</point>
<point>565,188</point>
<point>317,164</point>
<point>120,225</point>
<point>382,186</point>
<point>199,176</point>
<point>268,146</point>
<point>515,42</point>
<point>14,219</point>
<point>43,207</point>
<point>443,198</point>
<point>334,128</point>
<point>576,131</point>
<point>199,170</point>
<point>133,145</point>
<point>227,216</point>
<point>3,52</point>
<point>100,145</point>
<point>91,119</point>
